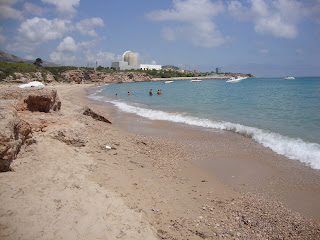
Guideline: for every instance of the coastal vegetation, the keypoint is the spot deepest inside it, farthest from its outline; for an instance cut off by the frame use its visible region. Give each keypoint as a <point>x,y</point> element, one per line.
<point>164,73</point>
<point>57,71</point>
<point>153,73</point>
<point>10,69</point>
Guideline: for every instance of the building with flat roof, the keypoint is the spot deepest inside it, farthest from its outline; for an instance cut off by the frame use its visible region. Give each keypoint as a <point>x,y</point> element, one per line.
<point>119,65</point>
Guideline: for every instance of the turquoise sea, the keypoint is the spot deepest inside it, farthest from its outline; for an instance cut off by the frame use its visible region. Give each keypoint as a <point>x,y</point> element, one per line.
<point>283,115</point>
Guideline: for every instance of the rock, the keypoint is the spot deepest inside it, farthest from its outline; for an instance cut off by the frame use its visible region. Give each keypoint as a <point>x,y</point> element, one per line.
<point>14,131</point>
<point>19,77</point>
<point>39,100</point>
<point>91,76</point>
<point>97,116</point>
<point>13,134</point>
<point>49,78</point>
<point>37,76</point>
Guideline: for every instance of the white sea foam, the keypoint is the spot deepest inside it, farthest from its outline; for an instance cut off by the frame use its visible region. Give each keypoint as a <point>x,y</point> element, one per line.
<point>296,149</point>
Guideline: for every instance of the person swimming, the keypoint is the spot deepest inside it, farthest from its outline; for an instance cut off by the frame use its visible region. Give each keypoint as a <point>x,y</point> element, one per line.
<point>150,92</point>
<point>128,93</point>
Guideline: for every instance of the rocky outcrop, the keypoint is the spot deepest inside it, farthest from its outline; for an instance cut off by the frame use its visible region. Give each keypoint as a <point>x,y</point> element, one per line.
<point>91,76</point>
<point>15,128</point>
<point>18,77</point>
<point>36,100</point>
<point>97,116</point>
<point>33,99</point>
<point>13,134</point>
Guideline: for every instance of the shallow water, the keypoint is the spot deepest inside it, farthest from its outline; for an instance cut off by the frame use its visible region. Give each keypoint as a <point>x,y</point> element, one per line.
<point>280,114</point>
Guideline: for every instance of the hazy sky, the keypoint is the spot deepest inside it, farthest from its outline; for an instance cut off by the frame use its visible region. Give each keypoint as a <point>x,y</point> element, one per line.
<point>262,37</point>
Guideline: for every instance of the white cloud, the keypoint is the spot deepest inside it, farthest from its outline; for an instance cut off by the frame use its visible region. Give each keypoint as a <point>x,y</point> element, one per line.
<point>67,45</point>
<point>90,57</point>
<point>86,26</point>
<point>42,29</point>
<point>64,7</point>
<point>62,58</point>
<point>33,32</point>
<point>66,51</point>
<point>193,22</point>
<point>238,10</point>
<point>315,11</point>
<point>33,9</point>
<point>7,11</point>
<point>69,52</point>
<point>103,58</point>
<point>275,17</point>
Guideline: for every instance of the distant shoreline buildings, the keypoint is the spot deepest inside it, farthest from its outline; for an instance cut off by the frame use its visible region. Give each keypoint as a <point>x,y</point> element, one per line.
<point>130,61</point>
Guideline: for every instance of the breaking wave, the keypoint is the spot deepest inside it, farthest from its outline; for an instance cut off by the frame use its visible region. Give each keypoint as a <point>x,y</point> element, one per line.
<point>292,148</point>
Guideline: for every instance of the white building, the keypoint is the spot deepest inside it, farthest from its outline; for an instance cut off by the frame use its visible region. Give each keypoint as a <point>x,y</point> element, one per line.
<point>119,65</point>
<point>130,61</point>
<point>130,57</point>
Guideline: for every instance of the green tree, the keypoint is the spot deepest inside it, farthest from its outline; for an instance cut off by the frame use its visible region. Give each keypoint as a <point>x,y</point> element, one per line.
<point>38,62</point>
<point>100,68</point>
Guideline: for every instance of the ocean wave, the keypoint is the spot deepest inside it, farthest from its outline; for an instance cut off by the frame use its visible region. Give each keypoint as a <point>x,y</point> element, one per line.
<point>295,149</point>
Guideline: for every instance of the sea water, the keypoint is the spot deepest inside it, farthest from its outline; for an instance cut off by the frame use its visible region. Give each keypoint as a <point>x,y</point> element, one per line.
<point>283,115</point>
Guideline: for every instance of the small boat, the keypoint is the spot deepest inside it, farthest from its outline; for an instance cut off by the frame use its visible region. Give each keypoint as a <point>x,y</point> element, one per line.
<point>196,80</point>
<point>168,82</point>
<point>237,79</point>
<point>289,78</point>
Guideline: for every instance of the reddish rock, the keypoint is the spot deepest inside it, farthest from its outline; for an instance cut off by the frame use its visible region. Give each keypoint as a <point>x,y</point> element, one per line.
<point>39,100</point>
<point>13,134</point>
<point>90,76</point>
<point>96,115</point>
<point>14,131</point>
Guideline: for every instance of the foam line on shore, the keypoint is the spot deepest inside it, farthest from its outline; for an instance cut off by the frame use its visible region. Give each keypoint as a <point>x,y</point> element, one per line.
<point>295,149</point>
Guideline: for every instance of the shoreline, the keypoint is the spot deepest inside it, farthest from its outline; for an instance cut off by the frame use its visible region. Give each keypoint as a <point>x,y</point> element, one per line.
<point>191,78</point>
<point>239,162</point>
<point>145,187</point>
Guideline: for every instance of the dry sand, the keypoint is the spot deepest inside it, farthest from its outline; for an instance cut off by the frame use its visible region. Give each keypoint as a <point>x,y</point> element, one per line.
<point>145,187</point>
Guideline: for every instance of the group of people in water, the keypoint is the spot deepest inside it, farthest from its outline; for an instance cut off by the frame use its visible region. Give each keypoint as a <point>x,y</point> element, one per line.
<point>159,92</point>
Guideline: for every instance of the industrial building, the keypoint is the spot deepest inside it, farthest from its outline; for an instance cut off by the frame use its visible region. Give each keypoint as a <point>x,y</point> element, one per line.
<point>130,61</point>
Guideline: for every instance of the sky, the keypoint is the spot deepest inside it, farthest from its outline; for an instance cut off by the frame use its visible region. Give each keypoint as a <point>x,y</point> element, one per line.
<point>266,38</point>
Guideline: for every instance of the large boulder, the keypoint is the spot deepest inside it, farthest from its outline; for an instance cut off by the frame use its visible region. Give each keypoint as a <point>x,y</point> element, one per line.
<point>38,100</point>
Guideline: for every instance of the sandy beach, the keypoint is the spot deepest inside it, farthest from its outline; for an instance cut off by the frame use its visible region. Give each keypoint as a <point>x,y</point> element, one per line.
<point>158,181</point>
